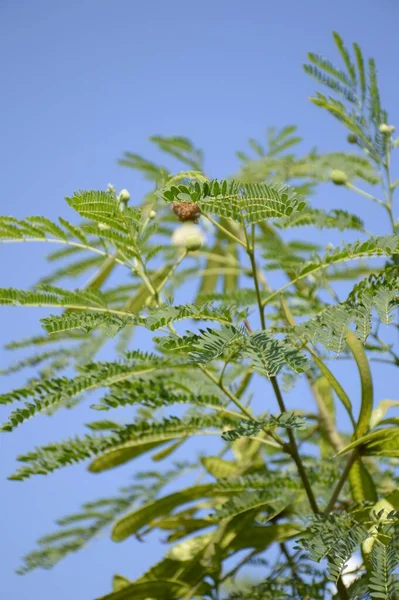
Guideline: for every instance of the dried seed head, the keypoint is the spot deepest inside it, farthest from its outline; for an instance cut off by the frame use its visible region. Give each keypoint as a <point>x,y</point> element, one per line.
<point>186,211</point>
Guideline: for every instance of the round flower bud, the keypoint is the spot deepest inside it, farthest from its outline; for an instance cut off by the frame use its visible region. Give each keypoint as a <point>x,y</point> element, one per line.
<point>193,243</point>
<point>124,196</point>
<point>386,129</point>
<point>152,214</point>
<point>352,138</point>
<point>338,177</point>
<point>110,188</point>
<point>185,232</point>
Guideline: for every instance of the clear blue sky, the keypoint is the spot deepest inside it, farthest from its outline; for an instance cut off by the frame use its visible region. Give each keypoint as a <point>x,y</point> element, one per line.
<point>84,80</point>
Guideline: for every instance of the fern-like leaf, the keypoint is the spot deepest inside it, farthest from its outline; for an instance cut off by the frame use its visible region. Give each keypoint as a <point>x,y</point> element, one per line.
<point>245,203</point>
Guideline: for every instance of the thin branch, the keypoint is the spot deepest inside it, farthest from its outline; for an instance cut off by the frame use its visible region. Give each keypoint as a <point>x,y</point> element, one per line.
<point>335,495</point>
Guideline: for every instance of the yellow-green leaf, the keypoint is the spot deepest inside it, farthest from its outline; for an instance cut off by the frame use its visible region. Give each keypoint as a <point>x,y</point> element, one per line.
<point>134,521</point>
<point>136,302</point>
<point>219,468</point>
<point>209,281</point>
<point>102,274</point>
<point>165,452</point>
<point>336,386</point>
<point>361,483</point>
<point>119,582</point>
<point>155,590</point>
<point>366,407</point>
<point>122,454</point>
<point>325,400</point>
<point>383,442</point>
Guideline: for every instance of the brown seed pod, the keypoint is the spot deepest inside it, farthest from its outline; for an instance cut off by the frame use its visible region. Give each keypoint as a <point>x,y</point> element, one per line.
<point>186,211</point>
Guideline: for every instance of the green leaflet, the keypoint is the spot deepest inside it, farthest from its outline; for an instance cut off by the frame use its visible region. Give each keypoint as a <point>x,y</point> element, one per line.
<point>56,391</point>
<point>212,343</point>
<point>366,407</point>
<point>335,537</point>
<point>46,459</point>
<point>330,326</point>
<point>159,317</point>
<point>270,354</point>
<point>346,58</point>
<point>133,522</point>
<point>87,322</point>
<point>334,219</point>
<point>374,246</point>
<point>383,563</point>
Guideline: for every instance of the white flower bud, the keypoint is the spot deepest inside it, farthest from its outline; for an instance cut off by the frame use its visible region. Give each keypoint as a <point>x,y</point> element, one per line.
<point>181,236</point>
<point>103,226</point>
<point>124,196</point>
<point>386,129</point>
<point>110,188</point>
<point>152,214</point>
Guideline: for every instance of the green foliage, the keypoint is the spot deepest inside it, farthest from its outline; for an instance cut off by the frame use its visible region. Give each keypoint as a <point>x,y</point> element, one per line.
<point>230,327</point>
<point>288,420</point>
<point>243,203</point>
<point>335,537</point>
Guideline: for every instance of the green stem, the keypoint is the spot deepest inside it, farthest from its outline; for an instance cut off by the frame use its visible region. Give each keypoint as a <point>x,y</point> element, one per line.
<point>257,290</point>
<point>225,231</point>
<point>292,448</point>
<point>294,451</point>
<point>352,187</point>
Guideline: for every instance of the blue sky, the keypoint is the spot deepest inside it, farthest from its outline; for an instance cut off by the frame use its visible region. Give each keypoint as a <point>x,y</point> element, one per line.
<point>84,80</point>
